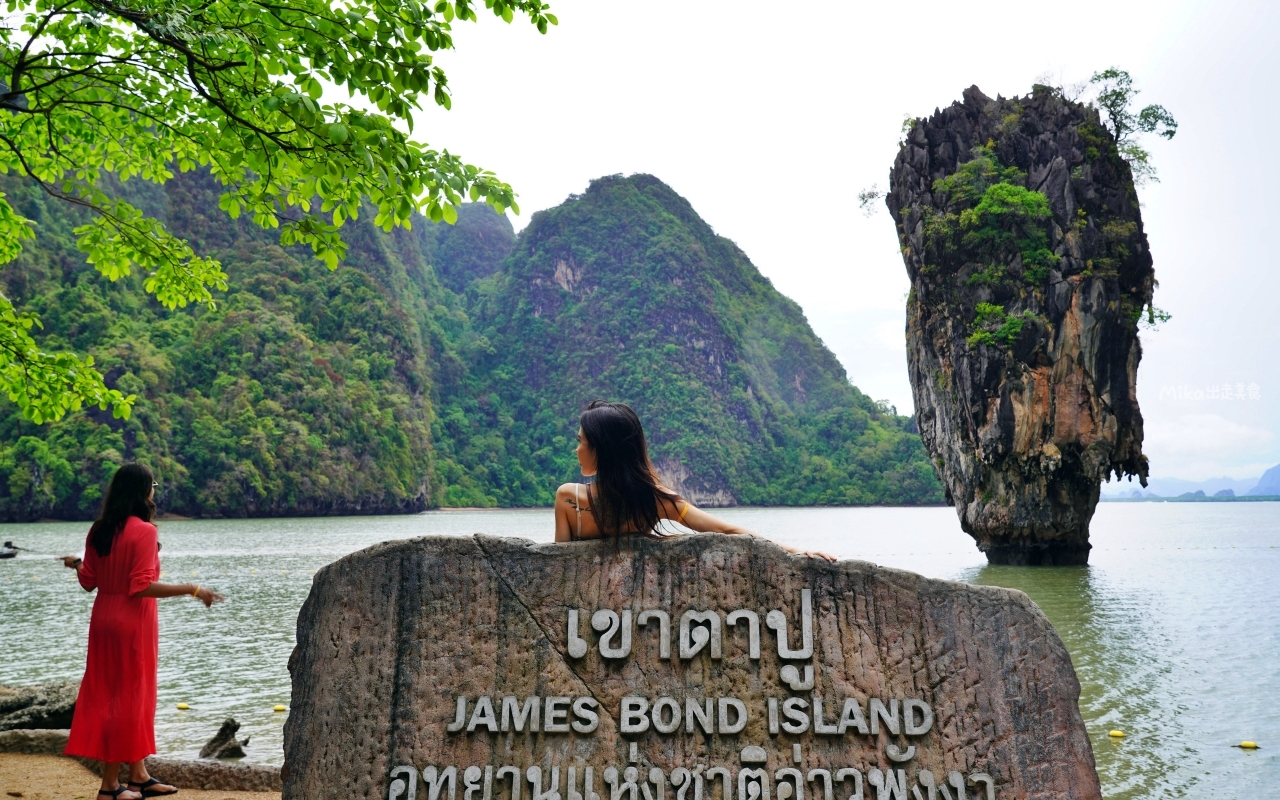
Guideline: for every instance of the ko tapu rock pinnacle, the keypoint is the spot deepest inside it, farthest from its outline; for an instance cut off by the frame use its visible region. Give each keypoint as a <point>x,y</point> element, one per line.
<point>1021,232</point>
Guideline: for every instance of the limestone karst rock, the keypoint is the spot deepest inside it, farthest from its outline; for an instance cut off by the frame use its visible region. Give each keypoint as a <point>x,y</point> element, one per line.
<point>393,638</point>
<point>1029,268</point>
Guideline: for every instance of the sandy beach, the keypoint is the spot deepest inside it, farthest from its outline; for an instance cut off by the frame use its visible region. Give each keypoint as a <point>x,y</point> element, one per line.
<point>58,778</point>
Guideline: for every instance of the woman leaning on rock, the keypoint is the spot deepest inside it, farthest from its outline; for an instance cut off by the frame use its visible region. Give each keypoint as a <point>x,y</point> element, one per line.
<point>626,498</point>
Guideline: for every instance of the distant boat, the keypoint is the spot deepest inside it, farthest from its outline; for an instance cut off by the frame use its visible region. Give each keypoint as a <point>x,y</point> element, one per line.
<point>8,550</point>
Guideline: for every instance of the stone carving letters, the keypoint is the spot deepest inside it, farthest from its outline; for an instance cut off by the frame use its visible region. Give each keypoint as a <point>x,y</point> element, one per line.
<point>777,621</point>
<point>611,627</point>
<point>496,669</point>
<point>664,629</point>
<point>697,628</point>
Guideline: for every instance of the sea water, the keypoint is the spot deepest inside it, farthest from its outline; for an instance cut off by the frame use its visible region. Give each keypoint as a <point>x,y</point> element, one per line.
<point>1174,627</point>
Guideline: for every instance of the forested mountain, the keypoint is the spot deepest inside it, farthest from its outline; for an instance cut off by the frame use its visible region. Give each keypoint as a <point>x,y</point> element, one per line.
<point>625,293</point>
<point>443,366</point>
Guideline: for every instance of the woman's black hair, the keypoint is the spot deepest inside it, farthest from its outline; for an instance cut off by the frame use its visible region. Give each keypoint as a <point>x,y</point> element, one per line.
<point>129,495</point>
<point>626,493</point>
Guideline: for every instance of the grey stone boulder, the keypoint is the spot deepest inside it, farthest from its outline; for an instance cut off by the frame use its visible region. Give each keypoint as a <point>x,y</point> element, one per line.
<point>34,742</point>
<point>207,775</point>
<point>393,638</point>
<point>49,705</point>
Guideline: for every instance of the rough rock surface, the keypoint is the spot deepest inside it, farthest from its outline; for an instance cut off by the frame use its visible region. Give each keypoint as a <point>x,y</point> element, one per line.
<point>1022,336</point>
<point>183,773</point>
<point>224,743</point>
<point>210,775</point>
<point>390,636</point>
<point>48,705</point>
<point>34,742</point>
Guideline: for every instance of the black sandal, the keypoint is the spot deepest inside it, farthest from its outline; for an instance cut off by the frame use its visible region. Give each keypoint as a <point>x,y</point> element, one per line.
<point>142,788</point>
<point>116,792</point>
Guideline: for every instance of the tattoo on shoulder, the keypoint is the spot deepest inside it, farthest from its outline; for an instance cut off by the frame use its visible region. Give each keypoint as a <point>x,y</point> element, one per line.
<point>572,503</point>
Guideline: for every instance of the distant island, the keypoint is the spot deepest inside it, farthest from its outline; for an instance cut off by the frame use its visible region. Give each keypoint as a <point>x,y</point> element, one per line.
<point>1268,484</point>
<point>1195,497</point>
<point>443,366</point>
<point>1206,491</point>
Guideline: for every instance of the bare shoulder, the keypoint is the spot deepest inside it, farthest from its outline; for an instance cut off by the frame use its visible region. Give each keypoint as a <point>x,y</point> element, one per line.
<point>568,493</point>
<point>670,508</point>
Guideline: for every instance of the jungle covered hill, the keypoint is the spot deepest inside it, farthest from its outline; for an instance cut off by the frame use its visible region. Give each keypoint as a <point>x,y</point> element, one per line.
<point>442,366</point>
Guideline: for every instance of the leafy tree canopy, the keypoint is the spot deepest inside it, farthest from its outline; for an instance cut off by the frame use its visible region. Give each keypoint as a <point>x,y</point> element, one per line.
<point>141,88</point>
<point>1115,100</point>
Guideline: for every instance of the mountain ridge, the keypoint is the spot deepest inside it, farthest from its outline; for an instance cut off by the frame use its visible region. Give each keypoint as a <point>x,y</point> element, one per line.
<point>1268,484</point>
<point>623,292</point>
<point>396,383</point>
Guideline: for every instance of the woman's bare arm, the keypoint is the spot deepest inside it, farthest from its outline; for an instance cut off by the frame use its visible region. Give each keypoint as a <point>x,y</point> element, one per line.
<point>699,520</point>
<point>206,596</point>
<point>702,522</point>
<point>567,497</point>
<point>561,506</point>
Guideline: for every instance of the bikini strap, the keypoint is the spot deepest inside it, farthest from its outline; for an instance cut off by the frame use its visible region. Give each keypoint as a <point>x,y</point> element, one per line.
<point>577,495</point>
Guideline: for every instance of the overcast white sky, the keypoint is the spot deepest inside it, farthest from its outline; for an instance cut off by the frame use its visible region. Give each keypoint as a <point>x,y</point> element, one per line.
<point>770,117</point>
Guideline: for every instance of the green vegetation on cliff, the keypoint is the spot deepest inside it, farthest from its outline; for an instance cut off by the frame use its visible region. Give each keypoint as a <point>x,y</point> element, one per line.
<point>301,392</point>
<point>625,293</point>
<point>426,370</point>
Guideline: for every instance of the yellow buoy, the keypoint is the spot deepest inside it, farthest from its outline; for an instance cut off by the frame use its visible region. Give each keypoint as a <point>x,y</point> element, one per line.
<point>1116,734</point>
<point>183,706</point>
<point>1247,745</point>
<point>278,708</point>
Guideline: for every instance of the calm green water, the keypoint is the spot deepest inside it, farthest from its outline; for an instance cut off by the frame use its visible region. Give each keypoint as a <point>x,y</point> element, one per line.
<point>1174,627</point>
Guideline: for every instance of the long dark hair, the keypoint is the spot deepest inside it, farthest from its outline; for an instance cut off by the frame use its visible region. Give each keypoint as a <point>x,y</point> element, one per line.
<point>129,495</point>
<point>626,493</point>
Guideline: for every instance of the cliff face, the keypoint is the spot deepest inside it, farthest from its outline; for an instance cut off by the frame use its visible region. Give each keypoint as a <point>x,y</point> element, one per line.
<point>625,293</point>
<point>443,365</point>
<point>304,392</point>
<point>1021,233</point>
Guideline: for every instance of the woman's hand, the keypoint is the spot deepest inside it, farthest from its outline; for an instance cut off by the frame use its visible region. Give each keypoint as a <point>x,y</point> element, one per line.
<point>208,597</point>
<point>71,562</point>
<point>795,551</point>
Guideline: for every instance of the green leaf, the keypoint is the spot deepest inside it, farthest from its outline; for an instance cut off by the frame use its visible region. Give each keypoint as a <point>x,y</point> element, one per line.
<point>250,109</point>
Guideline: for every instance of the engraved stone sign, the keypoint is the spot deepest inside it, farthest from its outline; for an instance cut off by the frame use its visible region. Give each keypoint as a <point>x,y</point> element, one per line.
<point>703,667</point>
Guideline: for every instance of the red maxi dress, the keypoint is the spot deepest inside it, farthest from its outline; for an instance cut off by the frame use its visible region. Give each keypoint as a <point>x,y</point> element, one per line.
<point>115,716</point>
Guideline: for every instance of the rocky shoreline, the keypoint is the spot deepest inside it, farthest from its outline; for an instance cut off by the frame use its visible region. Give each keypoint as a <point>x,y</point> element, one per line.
<point>183,773</point>
<point>34,720</point>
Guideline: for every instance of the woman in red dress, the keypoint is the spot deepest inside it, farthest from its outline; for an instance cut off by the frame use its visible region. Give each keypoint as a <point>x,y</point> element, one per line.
<point>115,712</point>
